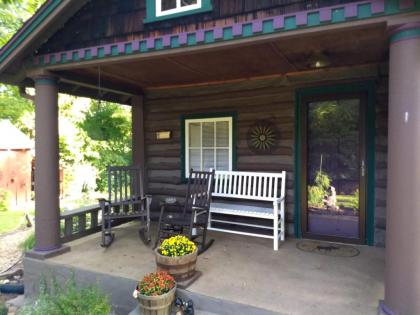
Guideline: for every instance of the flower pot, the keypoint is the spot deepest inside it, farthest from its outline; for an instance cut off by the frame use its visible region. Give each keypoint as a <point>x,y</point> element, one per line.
<point>181,268</point>
<point>157,305</point>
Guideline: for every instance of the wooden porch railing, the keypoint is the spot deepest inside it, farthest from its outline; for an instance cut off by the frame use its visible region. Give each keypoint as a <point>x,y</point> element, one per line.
<point>78,223</point>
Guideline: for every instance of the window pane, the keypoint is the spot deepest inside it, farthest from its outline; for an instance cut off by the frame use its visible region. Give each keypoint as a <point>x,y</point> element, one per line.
<point>195,135</point>
<point>222,159</point>
<point>208,159</point>
<point>208,134</point>
<point>222,134</point>
<point>168,4</point>
<point>185,3</point>
<point>195,159</point>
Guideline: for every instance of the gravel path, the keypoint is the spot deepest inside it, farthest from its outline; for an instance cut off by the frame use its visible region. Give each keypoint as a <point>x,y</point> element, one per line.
<point>10,253</point>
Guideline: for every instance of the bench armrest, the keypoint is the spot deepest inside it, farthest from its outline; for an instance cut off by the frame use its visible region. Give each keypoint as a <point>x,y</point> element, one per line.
<point>278,200</point>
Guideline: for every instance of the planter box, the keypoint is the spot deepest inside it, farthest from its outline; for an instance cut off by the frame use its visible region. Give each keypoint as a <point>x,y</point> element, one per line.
<point>181,268</point>
<point>157,305</point>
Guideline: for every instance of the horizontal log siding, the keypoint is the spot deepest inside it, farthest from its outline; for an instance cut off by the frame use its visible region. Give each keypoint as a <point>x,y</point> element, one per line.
<point>163,157</point>
<point>251,101</point>
<point>108,21</point>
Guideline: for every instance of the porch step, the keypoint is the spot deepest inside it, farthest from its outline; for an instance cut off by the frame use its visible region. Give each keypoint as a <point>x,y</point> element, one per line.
<point>136,311</point>
<point>119,290</point>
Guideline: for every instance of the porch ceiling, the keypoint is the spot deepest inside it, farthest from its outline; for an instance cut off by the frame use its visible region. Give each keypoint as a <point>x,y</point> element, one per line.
<point>344,48</point>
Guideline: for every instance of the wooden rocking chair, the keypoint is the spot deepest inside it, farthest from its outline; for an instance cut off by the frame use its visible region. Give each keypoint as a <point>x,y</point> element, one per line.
<point>191,218</point>
<point>126,202</point>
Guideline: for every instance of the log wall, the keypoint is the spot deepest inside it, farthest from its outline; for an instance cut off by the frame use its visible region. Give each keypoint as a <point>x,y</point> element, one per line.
<point>251,101</point>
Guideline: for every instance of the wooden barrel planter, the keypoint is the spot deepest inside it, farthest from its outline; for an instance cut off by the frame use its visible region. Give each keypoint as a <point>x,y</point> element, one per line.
<point>157,305</point>
<point>181,268</point>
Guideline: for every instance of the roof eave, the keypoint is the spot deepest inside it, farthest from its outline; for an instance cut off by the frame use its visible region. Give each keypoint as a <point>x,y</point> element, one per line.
<point>51,16</point>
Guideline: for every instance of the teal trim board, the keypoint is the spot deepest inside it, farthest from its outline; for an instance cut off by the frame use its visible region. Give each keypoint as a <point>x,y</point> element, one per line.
<point>234,117</point>
<point>361,87</point>
<point>405,34</point>
<point>46,81</point>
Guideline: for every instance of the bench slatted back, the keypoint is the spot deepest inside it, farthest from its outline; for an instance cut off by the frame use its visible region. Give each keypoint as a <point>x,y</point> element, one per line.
<point>249,185</point>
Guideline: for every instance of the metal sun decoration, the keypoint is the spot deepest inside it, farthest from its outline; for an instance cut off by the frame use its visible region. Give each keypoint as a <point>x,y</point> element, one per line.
<point>262,137</point>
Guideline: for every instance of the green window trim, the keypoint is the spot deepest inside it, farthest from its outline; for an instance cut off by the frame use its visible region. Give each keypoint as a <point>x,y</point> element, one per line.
<point>183,118</point>
<point>366,87</point>
<point>151,15</point>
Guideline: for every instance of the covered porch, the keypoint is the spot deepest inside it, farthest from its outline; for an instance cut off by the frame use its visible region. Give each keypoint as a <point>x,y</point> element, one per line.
<point>170,79</point>
<point>240,275</point>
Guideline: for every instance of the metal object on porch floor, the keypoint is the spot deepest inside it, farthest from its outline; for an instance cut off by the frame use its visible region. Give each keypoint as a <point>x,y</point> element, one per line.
<point>191,218</point>
<point>328,249</point>
<point>126,202</point>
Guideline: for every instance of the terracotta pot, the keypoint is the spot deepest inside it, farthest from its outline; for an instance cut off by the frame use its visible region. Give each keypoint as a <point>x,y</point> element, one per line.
<point>181,268</point>
<point>157,305</point>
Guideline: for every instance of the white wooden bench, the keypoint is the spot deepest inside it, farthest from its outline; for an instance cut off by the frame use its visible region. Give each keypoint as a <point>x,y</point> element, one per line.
<point>249,186</point>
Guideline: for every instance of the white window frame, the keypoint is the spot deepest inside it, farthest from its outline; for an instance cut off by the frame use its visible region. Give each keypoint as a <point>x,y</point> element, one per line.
<point>178,9</point>
<point>187,122</point>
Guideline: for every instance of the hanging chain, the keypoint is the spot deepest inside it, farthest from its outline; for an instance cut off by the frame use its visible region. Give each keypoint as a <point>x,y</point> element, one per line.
<point>99,87</point>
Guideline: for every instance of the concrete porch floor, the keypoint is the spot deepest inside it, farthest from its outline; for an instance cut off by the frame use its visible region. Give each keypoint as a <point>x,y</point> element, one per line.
<point>246,270</point>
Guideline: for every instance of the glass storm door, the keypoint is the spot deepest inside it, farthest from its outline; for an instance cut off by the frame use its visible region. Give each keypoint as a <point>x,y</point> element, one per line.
<point>334,168</point>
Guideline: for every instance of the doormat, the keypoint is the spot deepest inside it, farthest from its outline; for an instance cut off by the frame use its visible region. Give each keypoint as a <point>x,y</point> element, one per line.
<point>328,249</point>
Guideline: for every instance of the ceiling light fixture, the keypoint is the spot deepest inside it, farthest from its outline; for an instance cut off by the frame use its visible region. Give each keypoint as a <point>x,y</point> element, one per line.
<point>319,59</point>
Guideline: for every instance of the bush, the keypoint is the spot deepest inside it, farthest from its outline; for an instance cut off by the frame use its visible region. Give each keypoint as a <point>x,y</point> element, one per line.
<point>315,196</point>
<point>3,309</point>
<point>4,200</point>
<point>68,300</point>
<point>28,243</point>
<point>322,181</point>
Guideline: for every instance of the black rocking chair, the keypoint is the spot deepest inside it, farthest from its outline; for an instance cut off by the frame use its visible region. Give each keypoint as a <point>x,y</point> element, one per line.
<point>191,218</point>
<point>126,202</point>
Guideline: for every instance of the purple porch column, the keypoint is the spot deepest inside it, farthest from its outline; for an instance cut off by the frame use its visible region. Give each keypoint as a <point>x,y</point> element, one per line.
<point>402,274</point>
<point>138,136</point>
<point>47,206</point>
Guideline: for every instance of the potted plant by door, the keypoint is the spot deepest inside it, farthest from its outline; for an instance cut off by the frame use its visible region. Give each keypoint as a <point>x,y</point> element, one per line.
<point>177,256</point>
<point>156,293</point>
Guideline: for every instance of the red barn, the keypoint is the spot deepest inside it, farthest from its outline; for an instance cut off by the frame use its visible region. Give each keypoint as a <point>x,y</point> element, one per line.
<point>16,154</point>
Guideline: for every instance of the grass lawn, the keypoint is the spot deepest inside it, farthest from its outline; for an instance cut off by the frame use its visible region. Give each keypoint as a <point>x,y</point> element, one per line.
<point>347,201</point>
<point>11,220</point>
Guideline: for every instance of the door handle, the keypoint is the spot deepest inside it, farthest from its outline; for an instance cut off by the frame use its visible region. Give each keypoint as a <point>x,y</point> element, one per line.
<point>363,168</point>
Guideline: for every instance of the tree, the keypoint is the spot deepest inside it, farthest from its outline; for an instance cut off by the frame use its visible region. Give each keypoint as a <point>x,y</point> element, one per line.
<point>17,109</point>
<point>106,131</point>
<point>13,14</point>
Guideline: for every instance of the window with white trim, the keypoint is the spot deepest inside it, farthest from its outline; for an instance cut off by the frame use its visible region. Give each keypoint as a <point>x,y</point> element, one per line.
<point>208,144</point>
<point>168,7</point>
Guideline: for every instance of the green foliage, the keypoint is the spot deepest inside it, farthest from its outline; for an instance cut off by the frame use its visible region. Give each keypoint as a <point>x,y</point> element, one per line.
<point>18,110</point>
<point>105,123</point>
<point>67,157</point>
<point>315,196</point>
<point>3,309</point>
<point>356,200</point>
<point>4,200</point>
<point>68,299</point>
<point>13,14</point>
<point>107,138</point>
<point>11,220</point>
<point>317,192</point>
<point>349,201</point>
<point>28,243</point>
<point>322,181</point>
